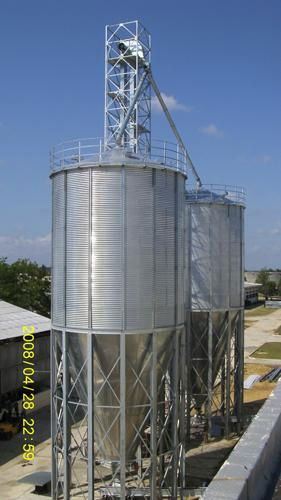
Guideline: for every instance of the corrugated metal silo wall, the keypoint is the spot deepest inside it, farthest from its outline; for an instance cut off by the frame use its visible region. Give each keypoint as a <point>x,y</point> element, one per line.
<point>118,257</point>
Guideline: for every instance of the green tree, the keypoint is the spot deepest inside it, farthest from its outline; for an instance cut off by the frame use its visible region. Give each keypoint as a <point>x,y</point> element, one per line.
<point>279,288</point>
<point>26,284</point>
<point>270,289</point>
<point>263,277</point>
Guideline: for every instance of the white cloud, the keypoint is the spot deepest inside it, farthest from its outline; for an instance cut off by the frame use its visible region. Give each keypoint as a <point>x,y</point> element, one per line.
<point>20,247</point>
<point>264,159</point>
<point>171,103</point>
<point>211,130</point>
<point>22,241</point>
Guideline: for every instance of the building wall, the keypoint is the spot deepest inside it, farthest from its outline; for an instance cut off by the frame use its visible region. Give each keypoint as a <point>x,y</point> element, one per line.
<point>11,366</point>
<point>251,298</point>
<point>251,293</point>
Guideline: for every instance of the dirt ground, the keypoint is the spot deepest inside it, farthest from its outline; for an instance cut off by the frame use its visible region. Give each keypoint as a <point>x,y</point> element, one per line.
<point>204,460</point>
<point>259,392</point>
<point>260,327</point>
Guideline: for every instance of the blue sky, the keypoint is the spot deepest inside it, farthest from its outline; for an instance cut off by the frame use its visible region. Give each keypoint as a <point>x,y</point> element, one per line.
<point>217,61</point>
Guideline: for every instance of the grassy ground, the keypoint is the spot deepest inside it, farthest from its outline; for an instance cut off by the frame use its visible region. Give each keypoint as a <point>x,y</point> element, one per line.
<point>259,311</point>
<point>270,350</point>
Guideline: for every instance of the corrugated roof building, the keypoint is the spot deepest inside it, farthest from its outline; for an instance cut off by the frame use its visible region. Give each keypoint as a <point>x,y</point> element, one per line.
<point>12,320</point>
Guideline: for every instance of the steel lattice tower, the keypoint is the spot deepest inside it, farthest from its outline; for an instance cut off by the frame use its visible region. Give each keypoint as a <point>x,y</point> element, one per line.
<point>127,57</point>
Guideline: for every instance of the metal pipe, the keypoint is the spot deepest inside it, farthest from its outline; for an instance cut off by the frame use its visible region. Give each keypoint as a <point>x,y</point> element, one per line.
<point>148,74</point>
<point>174,128</point>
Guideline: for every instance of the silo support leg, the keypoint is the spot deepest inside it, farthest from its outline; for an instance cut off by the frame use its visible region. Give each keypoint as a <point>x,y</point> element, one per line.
<point>183,384</point>
<point>90,444</point>
<point>66,422</point>
<point>123,415</point>
<point>188,334</point>
<point>56,361</point>
<point>240,371</point>
<point>175,414</point>
<point>228,375</point>
<point>210,373</point>
<point>153,436</point>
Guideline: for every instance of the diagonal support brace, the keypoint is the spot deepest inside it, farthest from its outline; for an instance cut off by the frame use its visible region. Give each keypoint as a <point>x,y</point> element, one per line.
<point>174,128</point>
<point>148,74</point>
<point>130,110</point>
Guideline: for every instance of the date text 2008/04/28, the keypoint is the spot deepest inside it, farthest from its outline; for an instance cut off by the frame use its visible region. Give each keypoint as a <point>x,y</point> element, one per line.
<point>28,397</point>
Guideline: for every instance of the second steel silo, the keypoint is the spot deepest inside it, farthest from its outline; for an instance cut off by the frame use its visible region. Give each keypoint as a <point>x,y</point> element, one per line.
<point>215,304</point>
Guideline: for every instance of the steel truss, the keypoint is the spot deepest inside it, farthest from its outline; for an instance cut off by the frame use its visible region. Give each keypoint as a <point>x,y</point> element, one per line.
<point>215,364</point>
<point>79,470</point>
<point>127,57</point>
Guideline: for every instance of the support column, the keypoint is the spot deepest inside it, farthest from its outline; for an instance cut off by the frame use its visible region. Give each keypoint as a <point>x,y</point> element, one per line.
<point>66,421</point>
<point>188,334</point>
<point>175,402</point>
<point>210,372</point>
<point>182,420</point>
<point>239,396</point>
<point>90,444</point>
<point>123,415</point>
<point>228,374</point>
<point>153,417</point>
<point>54,422</point>
<point>222,387</point>
<point>162,399</point>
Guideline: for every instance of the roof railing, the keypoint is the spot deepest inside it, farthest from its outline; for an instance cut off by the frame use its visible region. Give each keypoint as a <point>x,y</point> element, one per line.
<point>93,151</point>
<point>220,193</point>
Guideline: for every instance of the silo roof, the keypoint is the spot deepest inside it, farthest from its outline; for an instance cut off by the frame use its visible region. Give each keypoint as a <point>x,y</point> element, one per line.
<point>13,318</point>
<point>224,194</point>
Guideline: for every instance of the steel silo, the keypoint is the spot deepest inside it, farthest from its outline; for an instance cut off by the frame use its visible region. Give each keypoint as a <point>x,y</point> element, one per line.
<point>118,299</point>
<point>215,301</point>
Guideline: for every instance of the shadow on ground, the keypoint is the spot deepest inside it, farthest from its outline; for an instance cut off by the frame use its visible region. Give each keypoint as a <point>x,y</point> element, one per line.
<point>201,468</point>
<point>13,447</point>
